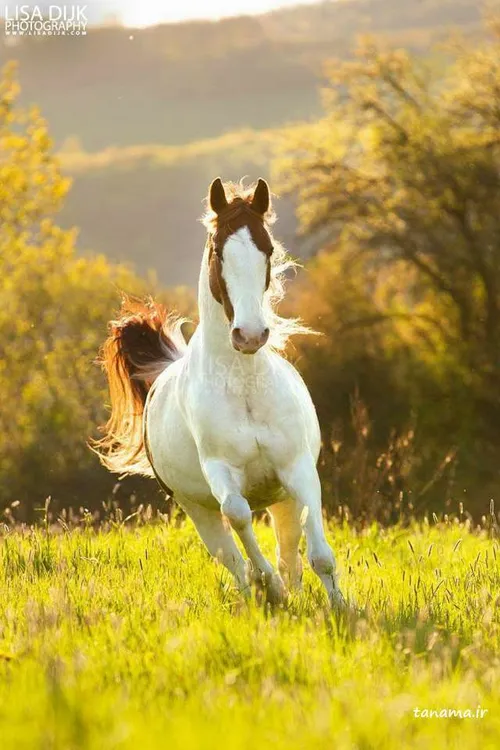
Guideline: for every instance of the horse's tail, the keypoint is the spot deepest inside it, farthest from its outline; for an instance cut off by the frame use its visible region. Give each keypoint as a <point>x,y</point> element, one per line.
<point>142,343</point>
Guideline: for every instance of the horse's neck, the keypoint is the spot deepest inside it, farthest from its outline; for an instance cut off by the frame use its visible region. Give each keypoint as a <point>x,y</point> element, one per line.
<point>213,330</point>
<point>213,324</point>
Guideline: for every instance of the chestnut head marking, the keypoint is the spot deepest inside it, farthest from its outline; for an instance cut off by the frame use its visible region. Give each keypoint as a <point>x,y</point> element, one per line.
<point>242,212</point>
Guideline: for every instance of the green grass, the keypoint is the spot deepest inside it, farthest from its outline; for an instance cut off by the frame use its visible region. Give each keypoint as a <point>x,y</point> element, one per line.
<point>131,638</point>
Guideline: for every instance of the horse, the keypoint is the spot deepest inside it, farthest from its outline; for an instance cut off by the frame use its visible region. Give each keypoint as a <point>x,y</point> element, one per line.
<point>225,422</point>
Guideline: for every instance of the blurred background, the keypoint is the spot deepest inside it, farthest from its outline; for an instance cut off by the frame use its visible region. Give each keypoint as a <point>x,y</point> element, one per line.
<point>377,123</point>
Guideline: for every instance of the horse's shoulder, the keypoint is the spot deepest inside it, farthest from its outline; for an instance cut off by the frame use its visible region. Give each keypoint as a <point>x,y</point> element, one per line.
<point>284,368</point>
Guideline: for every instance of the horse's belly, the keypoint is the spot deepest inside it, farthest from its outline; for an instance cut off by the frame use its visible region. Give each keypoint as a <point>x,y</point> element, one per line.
<point>263,495</point>
<point>261,486</point>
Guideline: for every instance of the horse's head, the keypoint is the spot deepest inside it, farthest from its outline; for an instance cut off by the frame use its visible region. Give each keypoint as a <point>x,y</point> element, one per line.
<point>240,250</point>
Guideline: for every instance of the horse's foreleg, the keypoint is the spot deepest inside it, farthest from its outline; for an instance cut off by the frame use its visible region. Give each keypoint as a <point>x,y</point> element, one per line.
<point>301,480</point>
<point>217,538</point>
<point>288,529</point>
<point>225,483</point>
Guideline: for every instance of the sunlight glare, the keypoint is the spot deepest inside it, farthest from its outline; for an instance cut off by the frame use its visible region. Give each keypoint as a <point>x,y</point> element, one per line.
<point>150,12</point>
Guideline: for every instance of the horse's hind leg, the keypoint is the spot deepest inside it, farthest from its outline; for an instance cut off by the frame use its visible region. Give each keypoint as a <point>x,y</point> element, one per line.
<point>288,529</point>
<point>218,539</point>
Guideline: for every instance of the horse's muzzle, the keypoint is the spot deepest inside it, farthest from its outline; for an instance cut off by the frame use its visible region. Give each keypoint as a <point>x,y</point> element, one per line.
<point>248,344</point>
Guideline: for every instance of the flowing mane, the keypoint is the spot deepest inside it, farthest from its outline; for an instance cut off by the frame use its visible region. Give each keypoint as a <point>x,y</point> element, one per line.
<point>239,199</point>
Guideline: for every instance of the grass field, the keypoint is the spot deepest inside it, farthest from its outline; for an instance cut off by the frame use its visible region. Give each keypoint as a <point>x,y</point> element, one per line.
<point>129,637</point>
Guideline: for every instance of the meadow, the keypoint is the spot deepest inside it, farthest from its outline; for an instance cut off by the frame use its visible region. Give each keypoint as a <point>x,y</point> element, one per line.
<point>128,636</point>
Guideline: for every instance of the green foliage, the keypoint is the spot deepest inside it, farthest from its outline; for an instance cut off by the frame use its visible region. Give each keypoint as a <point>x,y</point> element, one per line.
<point>53,314</point>
<point>404,189</point>
<point>399,181</point>
<point>129,637</point>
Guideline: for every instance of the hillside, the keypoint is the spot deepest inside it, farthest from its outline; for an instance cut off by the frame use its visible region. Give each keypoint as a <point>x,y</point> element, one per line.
<point>141,203</point>
<point>209,95</point>
<point>176,83</point>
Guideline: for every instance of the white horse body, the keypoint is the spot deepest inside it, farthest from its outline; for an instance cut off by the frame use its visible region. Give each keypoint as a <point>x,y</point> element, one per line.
<point>231,432</point>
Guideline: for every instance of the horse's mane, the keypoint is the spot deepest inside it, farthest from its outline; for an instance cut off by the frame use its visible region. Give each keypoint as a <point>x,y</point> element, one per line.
<point>239,198</point>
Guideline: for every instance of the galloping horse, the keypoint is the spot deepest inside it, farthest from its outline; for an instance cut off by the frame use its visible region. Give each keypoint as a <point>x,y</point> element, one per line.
<point>225,423</point>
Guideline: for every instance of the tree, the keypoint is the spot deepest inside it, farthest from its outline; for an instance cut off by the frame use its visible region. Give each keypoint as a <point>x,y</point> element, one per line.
<point>53,314</point>
<point>402,175</point>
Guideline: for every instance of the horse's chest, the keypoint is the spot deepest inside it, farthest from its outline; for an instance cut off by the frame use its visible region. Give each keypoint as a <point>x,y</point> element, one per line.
<point>257,437</point>
<point>254,423</point>
<point>258,449</point>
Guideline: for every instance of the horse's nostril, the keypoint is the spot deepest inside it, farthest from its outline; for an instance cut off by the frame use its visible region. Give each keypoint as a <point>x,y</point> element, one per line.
<point>237,334</point>
<point>249,343</point>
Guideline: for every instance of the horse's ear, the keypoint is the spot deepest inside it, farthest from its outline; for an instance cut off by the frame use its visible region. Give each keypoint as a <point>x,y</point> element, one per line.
<point>261,198</point>
<point>217,196</point>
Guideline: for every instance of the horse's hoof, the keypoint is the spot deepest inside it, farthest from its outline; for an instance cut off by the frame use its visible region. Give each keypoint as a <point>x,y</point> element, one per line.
<point>275,590</point>
<point>269,585</point>
<point>337,600</point>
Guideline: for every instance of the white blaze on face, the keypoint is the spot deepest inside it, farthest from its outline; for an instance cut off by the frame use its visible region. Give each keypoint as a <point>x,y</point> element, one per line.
<point>244,271</point>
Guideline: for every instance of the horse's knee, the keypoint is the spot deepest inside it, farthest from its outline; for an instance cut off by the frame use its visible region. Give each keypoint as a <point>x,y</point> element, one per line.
<point>237,510</point>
